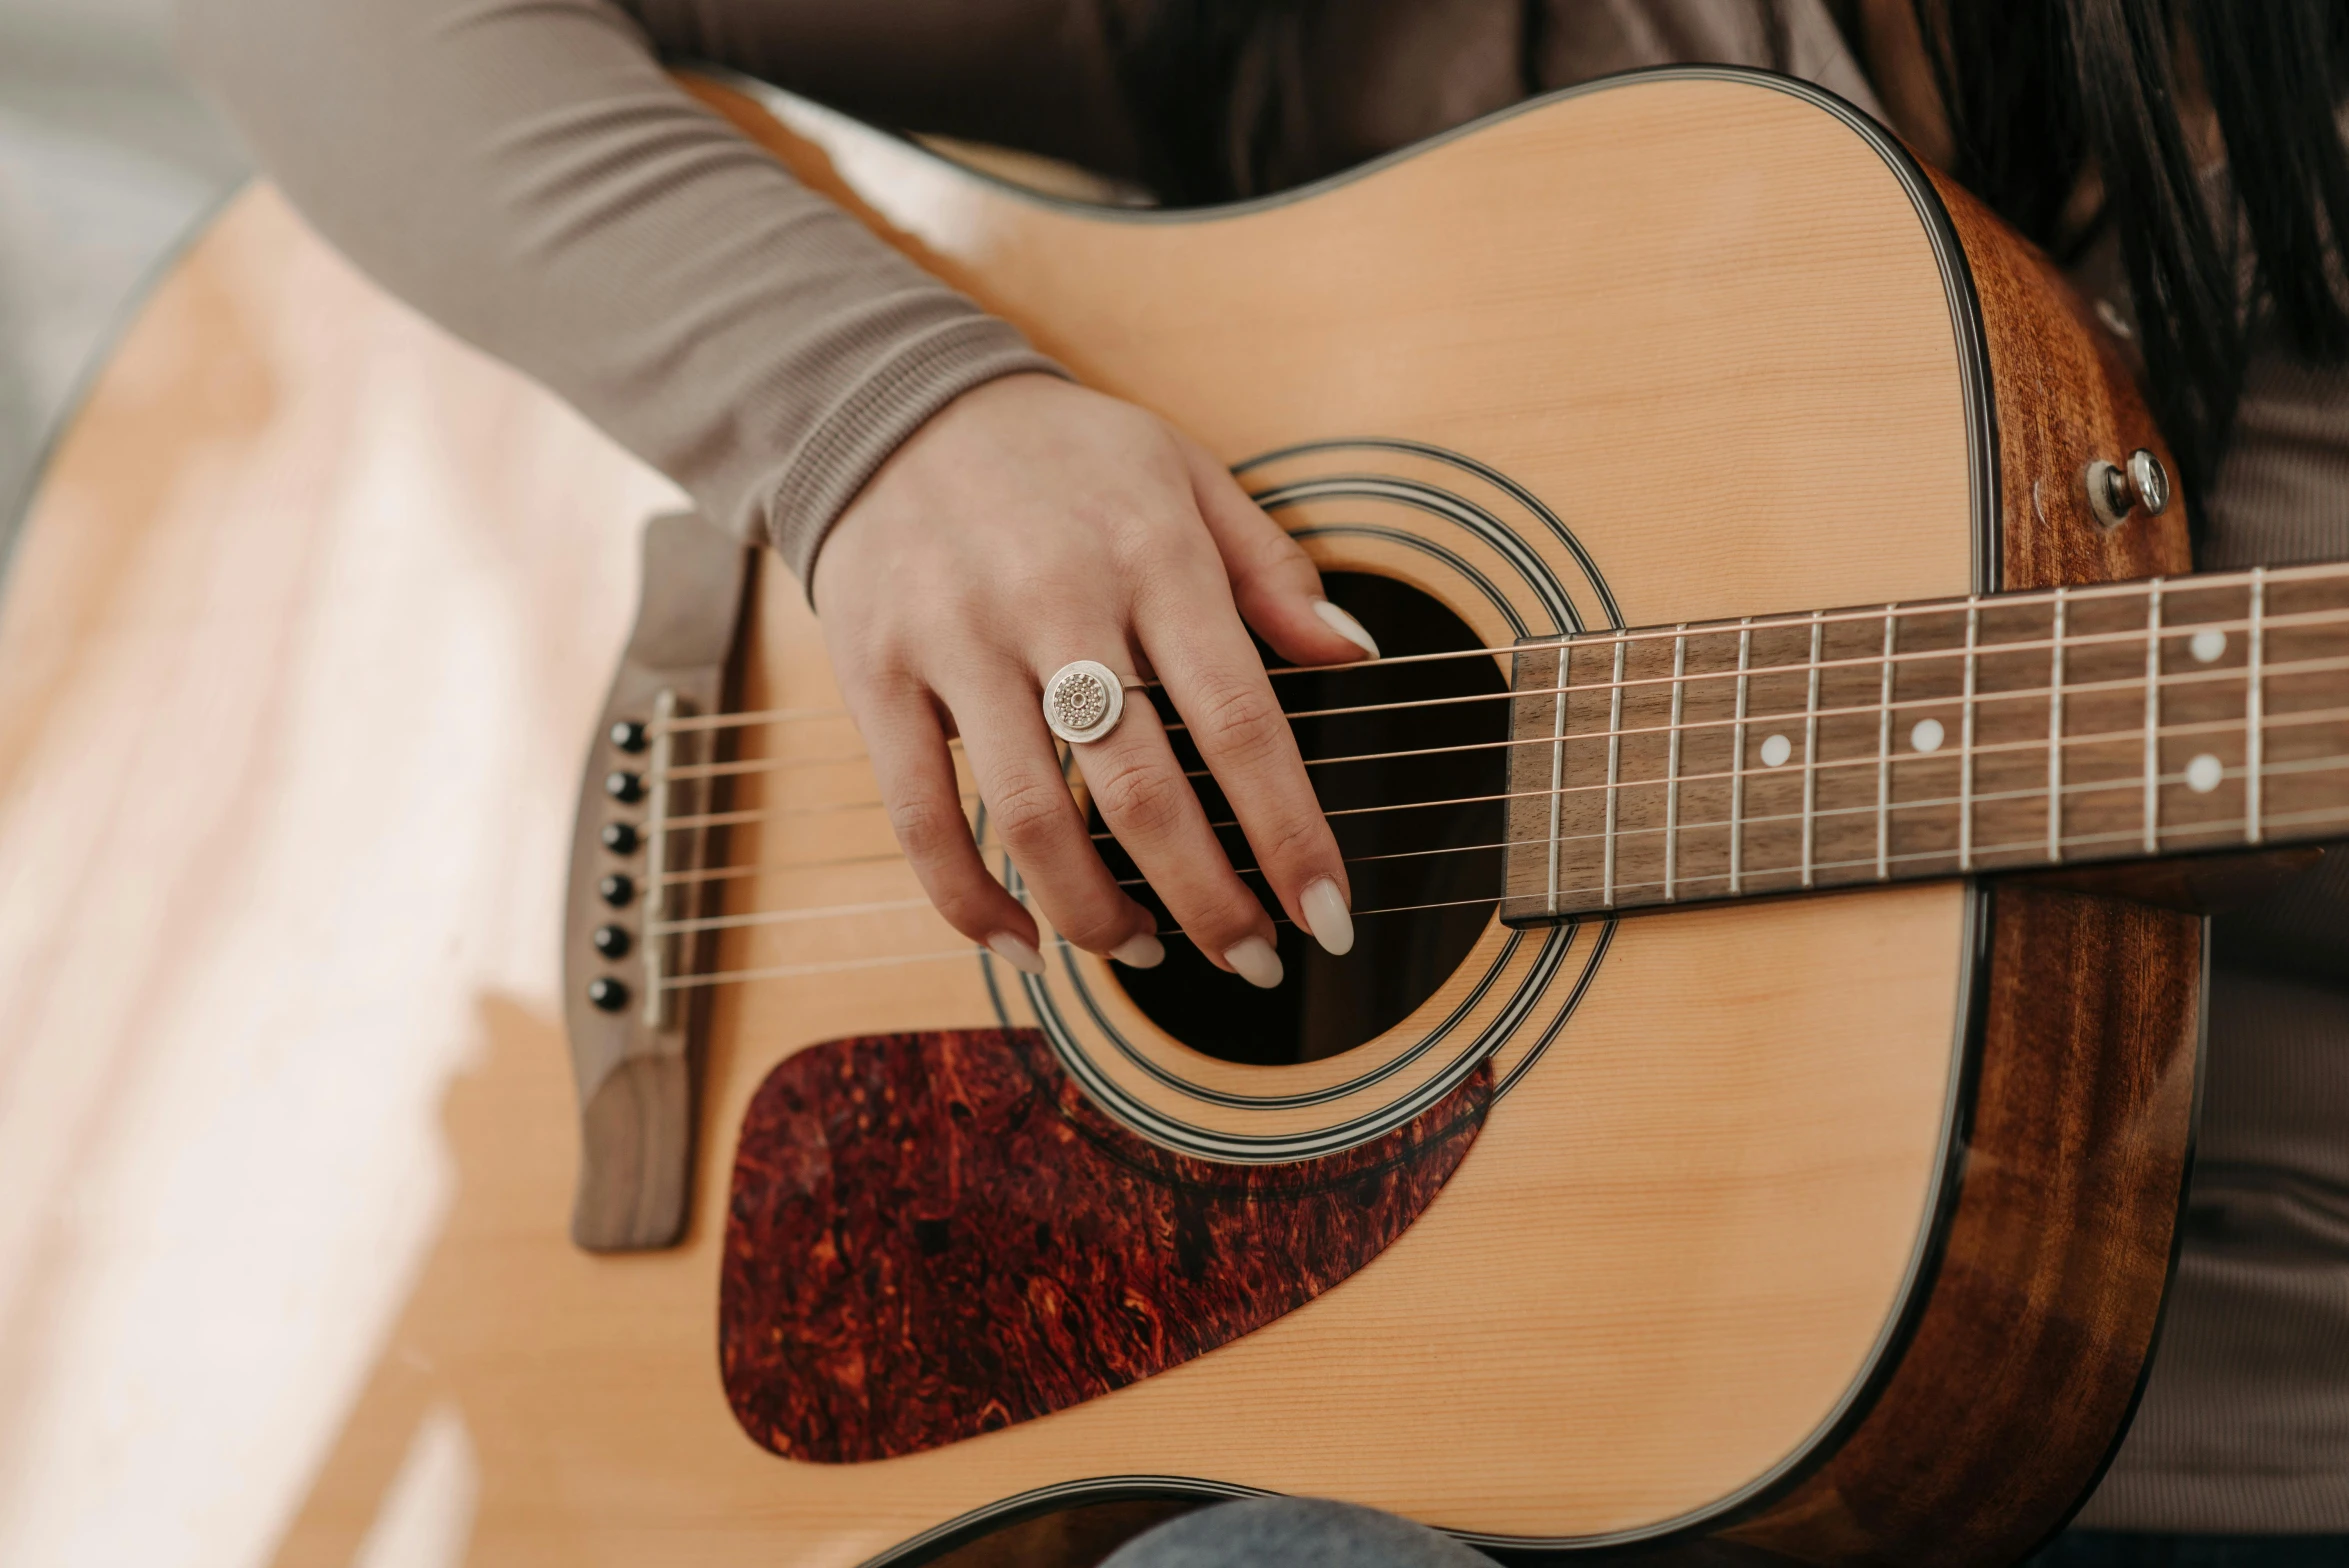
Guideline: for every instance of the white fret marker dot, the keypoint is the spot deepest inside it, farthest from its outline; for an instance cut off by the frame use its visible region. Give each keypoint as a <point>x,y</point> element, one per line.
<point>1927,736</point>
<point>1776,750</point>
<point>2208,645</point>
<point>2203,774</point>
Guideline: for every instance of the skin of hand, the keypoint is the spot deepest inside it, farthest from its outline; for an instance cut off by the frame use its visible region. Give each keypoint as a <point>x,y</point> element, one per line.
<point>1032,522</point>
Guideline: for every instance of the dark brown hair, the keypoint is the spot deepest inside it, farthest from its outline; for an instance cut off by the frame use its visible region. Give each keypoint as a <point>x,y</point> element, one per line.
<point>2044,92</point>
<point>2041,93</point>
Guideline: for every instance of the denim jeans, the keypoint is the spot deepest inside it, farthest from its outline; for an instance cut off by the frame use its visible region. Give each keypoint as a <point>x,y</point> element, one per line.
<point>1292,1532</point>
<point>1305,1532</point>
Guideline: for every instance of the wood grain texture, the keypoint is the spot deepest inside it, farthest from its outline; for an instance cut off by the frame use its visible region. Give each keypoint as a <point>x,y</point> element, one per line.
<point>932,1236</point>
<point>1661,1271</point>
<point>2022,1365</point>
<point>2065,399</point>
<point>302,640</point>
<point>1893,743</point>
<point>1664,1218</point>
<point>2025,1362</point>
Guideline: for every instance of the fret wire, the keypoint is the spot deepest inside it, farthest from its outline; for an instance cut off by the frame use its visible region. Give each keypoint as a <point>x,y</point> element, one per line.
<point>2321,716</point>
<point>2305,618</point>
<point>2212,583</point>
<point>1745,649</point>
<point>1966,743</point>
<point>1558,763</point>
<point>1995,602</point>
<point>790,971</point>
<point>1884,747</point>
<point>2302,818</point>
<point>1981,700</point>
<point>1927,607</point>
<point>1614,763</point>
<point>1811,749</point>
<point>1672,762</point>
<point>2020,694</point>
<point>2152,767</point>
<point>2055,733</point>
<point>2215,582</point>
<point>2254,701</point>
<point>2078,787</point>
<point>2087,787</point>
<point>2317,818</point>
<point>2129,782</point>
<point>2324,816</point>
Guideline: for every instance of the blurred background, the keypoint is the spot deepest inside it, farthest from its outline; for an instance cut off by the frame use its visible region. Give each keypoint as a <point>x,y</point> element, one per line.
<point>106,160</point>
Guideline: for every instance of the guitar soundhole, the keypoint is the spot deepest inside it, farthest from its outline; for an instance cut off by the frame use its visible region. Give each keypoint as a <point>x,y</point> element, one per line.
<point>1425,878</point>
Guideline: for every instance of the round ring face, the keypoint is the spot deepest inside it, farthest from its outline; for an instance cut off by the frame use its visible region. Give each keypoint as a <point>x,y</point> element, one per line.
<point>1083,701</point>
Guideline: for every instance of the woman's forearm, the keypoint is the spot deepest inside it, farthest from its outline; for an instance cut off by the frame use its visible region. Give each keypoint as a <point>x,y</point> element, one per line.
<point>525,173</point>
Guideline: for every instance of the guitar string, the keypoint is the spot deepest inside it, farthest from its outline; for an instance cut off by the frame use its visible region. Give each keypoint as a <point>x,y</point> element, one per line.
<point>1962,751</point>
<point>2313,819</point>
<point>1800,621</point>
<point>2215,674</point>
<point>2106,738</point>
<point>2131,782</point>
<point>2034,694</point>
<point>2173,631</point>
<point>2070,642</point>
<point>752,918</point>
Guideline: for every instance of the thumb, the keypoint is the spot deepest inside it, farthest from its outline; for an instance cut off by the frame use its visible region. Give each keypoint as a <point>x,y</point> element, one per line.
<point>1274,584</point>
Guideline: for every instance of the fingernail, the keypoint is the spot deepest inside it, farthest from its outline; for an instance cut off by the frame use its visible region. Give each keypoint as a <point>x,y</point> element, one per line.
<point>1140,952</point>
<point>1327,919</point>
<point>1345,626</point>
<point>1016,953</point>
<point>1256,962</point>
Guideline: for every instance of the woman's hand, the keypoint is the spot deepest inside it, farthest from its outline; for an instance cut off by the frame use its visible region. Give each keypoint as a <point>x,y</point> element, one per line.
<point>1032,522</point>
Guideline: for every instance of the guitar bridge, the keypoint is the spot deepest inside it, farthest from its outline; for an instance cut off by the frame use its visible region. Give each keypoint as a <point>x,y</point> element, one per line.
<point>636,917</point>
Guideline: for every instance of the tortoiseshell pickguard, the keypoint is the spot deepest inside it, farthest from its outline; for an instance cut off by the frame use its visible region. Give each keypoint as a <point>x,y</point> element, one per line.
<point>936,1235</point>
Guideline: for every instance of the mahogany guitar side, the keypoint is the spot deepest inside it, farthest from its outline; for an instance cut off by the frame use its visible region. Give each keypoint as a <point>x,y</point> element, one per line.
<point>1831,1230</point>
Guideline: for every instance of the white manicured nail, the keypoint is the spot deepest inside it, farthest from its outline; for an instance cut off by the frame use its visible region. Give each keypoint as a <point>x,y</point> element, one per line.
<point>1345,626</point>
<point>1255,962</point>
<point>1326,917</point>
<point>1140,952</point>
<point>1016,953</point>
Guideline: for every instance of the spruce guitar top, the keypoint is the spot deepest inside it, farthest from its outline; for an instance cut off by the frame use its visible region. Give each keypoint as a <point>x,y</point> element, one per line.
<point>1744,514</point>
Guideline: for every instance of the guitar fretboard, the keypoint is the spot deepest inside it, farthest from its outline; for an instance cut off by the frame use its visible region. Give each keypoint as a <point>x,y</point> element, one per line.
<point>1900,742</point>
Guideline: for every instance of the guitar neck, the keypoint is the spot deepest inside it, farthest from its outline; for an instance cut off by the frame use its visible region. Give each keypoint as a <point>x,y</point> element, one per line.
<point>1903,742</point>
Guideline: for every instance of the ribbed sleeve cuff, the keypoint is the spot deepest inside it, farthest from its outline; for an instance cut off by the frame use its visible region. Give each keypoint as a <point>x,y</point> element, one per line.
<point>875,416</point>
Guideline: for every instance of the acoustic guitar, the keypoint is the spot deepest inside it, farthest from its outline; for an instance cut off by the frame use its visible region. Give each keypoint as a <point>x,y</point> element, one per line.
<point>1751,1125</point>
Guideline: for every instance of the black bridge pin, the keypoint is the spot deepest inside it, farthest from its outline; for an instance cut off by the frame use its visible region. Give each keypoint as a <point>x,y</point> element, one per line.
<point>607,993</point>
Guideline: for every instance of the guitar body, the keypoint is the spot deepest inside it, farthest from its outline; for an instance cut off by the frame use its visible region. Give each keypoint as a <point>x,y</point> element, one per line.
<point>1829,1229</point>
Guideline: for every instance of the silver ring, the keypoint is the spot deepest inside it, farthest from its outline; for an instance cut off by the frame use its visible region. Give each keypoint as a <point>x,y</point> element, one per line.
<point>1083,701</point>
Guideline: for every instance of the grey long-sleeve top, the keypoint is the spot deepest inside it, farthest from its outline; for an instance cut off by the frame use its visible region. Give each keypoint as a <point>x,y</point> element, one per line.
<point>523,171</point>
